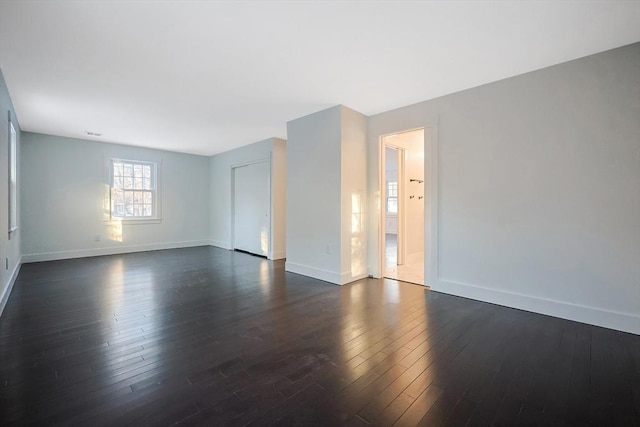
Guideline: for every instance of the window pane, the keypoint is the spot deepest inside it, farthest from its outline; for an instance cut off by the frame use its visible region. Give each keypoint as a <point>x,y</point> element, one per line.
<point>128,197</point>
<point>392,205</point>
<point>128,203</point>
<point>127,177</point>
<point>392,189</point>
<point>118,196</point>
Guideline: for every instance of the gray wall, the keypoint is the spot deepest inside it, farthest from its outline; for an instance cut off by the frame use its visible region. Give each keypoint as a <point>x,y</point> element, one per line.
<point>535,189</point>
<point>314,195</point>
<point>9,247</point>
<point>64,189</point>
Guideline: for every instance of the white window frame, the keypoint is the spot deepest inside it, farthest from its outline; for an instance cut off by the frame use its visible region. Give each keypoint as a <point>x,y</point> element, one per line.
<point>155,217</point>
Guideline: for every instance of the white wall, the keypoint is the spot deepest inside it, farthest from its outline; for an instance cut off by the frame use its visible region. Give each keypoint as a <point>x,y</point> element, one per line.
<point>314,195</point>
<point>10,249</point>
<point>272,150</point>
<point>354,196</point>
<point>64,182</point>
<point>536,189</point>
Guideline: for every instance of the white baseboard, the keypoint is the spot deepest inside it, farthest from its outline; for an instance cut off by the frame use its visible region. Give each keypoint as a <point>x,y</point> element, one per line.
<point>278,255</point>
<point>112,250</point>
<point>220,244</point>
<point>347,277</point>
<point>321,274</point>
<point>625,322</point>
<point>317,273</point>
<point>7,291</point>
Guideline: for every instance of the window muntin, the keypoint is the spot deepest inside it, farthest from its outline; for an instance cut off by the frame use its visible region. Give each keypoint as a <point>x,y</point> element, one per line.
<point>133,189</point>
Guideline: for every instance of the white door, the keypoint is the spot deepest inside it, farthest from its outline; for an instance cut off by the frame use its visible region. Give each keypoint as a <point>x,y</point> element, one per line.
<point>251,220</point>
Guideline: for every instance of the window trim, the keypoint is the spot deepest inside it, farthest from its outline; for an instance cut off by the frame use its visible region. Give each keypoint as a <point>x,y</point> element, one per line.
<point>156,218</point>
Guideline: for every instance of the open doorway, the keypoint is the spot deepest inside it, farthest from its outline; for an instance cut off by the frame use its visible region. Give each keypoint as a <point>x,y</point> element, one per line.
<point>403,256</point>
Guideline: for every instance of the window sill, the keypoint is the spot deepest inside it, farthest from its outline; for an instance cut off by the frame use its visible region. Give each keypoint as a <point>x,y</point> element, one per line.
<point>131,221</point>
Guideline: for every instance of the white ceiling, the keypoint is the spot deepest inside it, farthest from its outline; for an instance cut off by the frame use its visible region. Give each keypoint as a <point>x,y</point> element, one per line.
<point>205,77</point>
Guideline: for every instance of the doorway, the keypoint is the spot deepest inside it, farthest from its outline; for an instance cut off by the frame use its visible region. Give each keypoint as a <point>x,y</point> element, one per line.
<point>402,212</point>
<point>251,208</point>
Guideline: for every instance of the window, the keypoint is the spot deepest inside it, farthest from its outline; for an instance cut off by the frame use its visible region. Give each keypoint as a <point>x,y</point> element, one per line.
<point>134,190</point>
<point>392,197</point>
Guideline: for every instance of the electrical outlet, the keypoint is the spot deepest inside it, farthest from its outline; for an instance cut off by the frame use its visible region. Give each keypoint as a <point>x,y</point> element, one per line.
<point>98,238</point>
<point>328,249</point>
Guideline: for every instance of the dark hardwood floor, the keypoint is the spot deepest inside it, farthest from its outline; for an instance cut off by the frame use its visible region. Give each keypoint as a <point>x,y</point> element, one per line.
<point>204,336</point>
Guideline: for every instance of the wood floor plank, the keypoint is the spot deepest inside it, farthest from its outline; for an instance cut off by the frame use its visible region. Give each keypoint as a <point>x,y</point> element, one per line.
<point>205,336</point>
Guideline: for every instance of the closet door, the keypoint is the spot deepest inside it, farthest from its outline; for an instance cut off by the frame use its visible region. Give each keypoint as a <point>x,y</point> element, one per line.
<point>251,219</point>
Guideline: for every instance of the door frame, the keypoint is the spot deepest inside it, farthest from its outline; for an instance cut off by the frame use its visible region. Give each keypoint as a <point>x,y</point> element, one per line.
<point>430,144</point>
<point>268,161</point>
<point>400,239</point>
